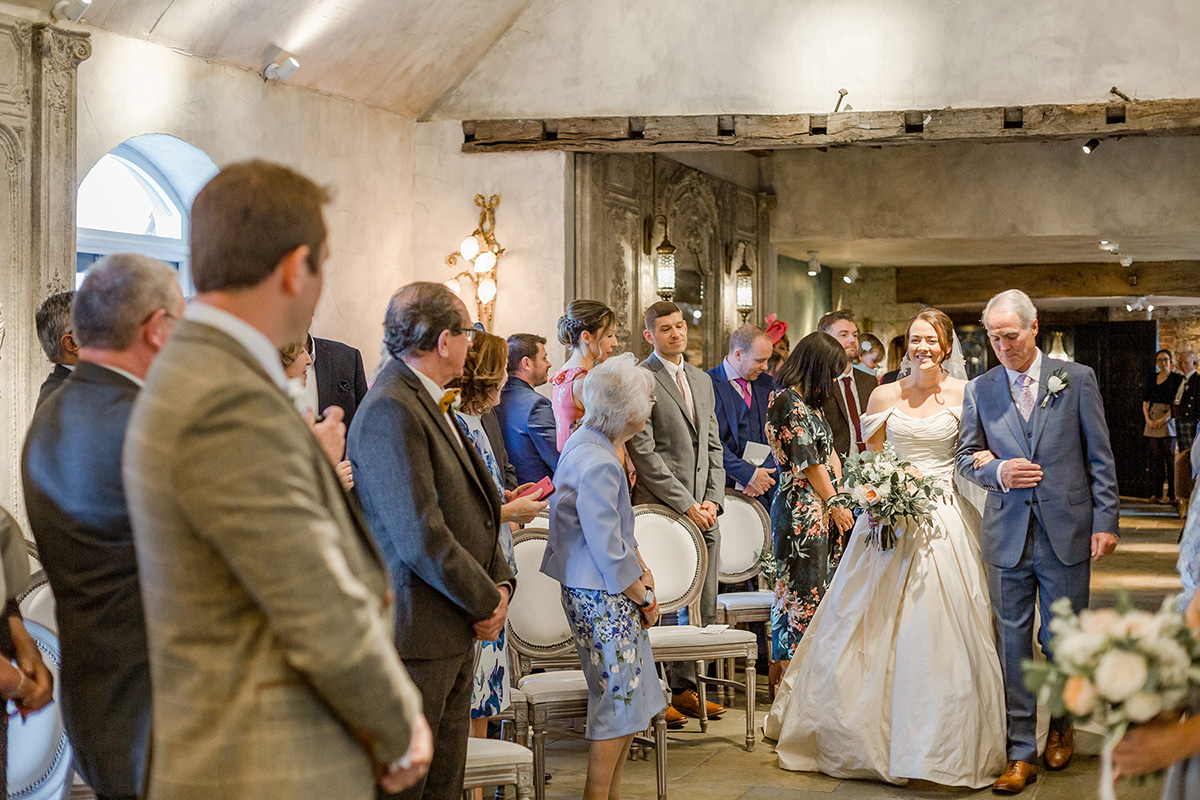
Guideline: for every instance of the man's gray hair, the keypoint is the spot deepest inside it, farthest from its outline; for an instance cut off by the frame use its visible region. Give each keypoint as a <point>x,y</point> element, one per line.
<point>616,394</point>
<point>416,316</point>
<point>744,337</point>
<point>1012,300</point>
<point>53,319</point>
<point>121,291</point>
<point>1188,356</point>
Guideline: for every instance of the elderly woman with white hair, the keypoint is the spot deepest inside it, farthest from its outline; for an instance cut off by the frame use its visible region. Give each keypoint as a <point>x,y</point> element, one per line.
<point>608,593</point>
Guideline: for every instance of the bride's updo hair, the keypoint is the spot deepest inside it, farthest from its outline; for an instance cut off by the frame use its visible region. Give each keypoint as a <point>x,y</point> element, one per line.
<point>584,315</point>
<point>941,324</point>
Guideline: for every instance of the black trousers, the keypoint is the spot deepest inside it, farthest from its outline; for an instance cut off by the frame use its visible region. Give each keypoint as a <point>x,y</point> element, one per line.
<point>1162,465</point>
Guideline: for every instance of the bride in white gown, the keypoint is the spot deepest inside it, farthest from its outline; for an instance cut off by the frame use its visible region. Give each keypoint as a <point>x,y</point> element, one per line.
<point>897,677</point>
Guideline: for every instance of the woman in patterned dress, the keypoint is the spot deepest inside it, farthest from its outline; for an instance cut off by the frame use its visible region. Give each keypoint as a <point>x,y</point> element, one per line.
<point>807,536</point>
<point>589,328</point>
<point>483,376</point>
<point>607,590</point>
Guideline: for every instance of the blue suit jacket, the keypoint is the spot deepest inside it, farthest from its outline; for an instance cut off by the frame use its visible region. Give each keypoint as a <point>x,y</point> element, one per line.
<point>527,420</point>
<point>1069,440</point>
<point>739,424</point>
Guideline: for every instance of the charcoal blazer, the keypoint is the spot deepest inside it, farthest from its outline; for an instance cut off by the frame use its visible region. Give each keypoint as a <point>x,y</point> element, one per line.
<point>836,413</point>
<point>53,381</point>
<point>75,497</point>
<point>739,424</point>
<point>434,511</point>
<point>341,379</point>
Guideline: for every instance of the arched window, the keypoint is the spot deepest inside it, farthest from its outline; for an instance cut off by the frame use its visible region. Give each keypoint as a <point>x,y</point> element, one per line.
<point>136,199</point>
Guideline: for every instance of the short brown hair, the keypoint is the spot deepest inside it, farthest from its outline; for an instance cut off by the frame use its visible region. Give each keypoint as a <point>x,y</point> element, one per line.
<point>744,337</point>
<point>663,308</point>
<point>522,346</point>
<point>247,218</point>
<point>827,320</point>
<point>941,325</point>
<point>483,371</point>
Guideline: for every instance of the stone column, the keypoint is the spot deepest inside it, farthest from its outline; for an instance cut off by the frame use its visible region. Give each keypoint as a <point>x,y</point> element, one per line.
<point>38,64</point>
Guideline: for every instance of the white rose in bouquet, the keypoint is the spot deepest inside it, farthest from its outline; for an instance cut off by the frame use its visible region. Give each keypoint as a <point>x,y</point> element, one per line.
<point>1101,621</point>
<point>1173,660</point>
<point>1143,706</point>
<point>1078,648</point>
<point>1120,673</point>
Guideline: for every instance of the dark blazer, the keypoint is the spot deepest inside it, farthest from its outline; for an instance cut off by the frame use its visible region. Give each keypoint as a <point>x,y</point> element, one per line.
<point>1187,412</point>
<point>435,514</point>
<point>529,434</point>
<point>341,379</point>
<point>53,381</point>
<point>491,426</point>
<point>835,408</point>
<point>740,424</point>
<point>71,468</point>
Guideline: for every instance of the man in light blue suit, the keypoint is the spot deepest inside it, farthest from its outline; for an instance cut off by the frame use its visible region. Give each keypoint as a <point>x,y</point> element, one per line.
<point>1051,505</point>
<point>526,417</point>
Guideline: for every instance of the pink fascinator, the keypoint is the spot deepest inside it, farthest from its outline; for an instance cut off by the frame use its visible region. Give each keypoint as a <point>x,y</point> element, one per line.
<point>776,328</point>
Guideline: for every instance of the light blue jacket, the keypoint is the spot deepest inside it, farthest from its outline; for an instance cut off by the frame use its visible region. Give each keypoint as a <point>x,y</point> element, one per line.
<point>591,518</point>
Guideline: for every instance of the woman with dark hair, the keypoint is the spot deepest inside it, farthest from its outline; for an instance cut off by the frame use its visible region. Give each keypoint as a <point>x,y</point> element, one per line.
<point>589,328</point>
<point>1159,431</point>
<point>807,535</point>
<point>898,677</point>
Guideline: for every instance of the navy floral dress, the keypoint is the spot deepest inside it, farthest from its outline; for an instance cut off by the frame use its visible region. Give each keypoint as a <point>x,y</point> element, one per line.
<point>807,546</point>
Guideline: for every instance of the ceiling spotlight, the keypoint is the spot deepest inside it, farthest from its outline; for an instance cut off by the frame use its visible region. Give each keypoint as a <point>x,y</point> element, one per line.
<point>72,10</point>
<point>1127,261</point>
<point>1109,247</point>
<point>1091,145</point>
<point>852,274</point>
<point>1149,307</point>
<point>281,70</point>
<point>1104,241</point>
<point>814,264</point>
<point>1139,304</point>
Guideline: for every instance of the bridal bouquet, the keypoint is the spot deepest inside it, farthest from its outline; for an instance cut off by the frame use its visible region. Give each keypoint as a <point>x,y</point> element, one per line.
<point>888,490</point>
<point>1116,667</point>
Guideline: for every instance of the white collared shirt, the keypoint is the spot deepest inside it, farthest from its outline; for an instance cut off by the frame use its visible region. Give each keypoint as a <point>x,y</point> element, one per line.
<point>1187,376</point>
<point>841,387</point>
<point>674,370</point>
<point>437,393</point>
<point>251,338</point>
<point>1035,372</point>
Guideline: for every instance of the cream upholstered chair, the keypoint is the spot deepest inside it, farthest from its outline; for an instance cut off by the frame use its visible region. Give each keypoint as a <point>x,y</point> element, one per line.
<point>745,539</point>
<point>39,753</point>
<point>674,550</point>
<point>494,762</point>
<point>539,635</point>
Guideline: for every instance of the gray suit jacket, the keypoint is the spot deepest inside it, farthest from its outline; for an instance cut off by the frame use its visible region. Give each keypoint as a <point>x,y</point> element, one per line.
<point>1069,439</point>
<point>678,461</point>
<point>268,611</point>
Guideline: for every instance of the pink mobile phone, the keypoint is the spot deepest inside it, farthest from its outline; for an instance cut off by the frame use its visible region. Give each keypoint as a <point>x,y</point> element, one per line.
<point>545,486</point>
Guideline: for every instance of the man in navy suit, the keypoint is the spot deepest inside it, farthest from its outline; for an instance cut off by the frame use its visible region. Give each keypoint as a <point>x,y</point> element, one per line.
<point>743,389</point>
<point>526,417</point>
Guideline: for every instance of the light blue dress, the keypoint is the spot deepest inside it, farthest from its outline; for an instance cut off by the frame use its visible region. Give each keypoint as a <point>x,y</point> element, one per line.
<point>490,693</point>
<point>591,552</point>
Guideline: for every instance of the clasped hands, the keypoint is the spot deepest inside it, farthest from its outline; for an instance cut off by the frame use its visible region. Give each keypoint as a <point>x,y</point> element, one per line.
<point>35,684</point>
<point>488,630</point>
<point>704,515</point>
<point>637,593</point>
<point>760,483</point>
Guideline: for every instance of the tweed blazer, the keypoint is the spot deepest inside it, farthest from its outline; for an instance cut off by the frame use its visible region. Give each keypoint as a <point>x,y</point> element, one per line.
<point>678,460</point>
<point>434,511</point>
<point>268,611</point>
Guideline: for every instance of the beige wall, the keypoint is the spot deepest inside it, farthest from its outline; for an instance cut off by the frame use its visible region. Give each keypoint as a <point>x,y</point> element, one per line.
<point>872,298</point>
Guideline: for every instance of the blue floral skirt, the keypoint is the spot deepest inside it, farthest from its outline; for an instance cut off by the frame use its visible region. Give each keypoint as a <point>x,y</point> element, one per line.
<point>624,693</point>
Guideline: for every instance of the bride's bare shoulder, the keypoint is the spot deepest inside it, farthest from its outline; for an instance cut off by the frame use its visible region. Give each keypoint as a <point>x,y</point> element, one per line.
<point>883,397</point>
<point>953,389</point>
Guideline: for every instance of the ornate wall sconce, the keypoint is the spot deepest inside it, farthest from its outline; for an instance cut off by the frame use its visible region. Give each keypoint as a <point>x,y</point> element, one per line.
<point>481,250</point>
<point>664,257</point>
<point>744,291</point>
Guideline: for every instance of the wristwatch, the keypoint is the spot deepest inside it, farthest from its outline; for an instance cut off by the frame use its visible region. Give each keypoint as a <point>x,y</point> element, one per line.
<point>648,600</point>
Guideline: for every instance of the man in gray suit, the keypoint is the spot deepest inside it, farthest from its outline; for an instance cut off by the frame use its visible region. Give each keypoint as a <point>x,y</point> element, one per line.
<point>678,457</point>
<point>123,314</point>
<point>435,514</point>
<point>1051,505</point>
<point>268,608</point>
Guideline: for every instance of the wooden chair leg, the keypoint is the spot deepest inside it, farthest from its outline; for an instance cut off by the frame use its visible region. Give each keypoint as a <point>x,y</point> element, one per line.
<point>750,689</point>
<point>539,762</point>
<point>660,754</point>
<point>702,693</point>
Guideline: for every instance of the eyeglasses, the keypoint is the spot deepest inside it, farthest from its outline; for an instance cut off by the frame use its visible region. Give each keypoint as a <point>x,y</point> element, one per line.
<point>468,332</point>
<point>166,314</point>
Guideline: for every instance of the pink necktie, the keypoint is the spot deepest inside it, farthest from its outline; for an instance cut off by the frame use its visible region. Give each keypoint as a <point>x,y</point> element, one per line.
<point>1025,399</point>
<point>745,390</point>
<point>687,398</point>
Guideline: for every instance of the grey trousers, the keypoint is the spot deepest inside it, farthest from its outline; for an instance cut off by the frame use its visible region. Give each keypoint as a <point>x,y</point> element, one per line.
<point>683,673</point>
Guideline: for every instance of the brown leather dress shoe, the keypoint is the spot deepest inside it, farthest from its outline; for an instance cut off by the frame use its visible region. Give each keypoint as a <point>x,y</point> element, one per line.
<point>1016,775</point>
<point>675,720</point>
<point>1059,747</point>
<point>689,703</point>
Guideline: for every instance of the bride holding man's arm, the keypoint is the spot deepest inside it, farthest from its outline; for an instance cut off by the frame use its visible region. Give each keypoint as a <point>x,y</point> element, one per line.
<point>900,661</point>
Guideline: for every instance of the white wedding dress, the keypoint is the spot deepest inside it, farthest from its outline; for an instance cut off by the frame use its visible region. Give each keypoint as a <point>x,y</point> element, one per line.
<point>897,676</point>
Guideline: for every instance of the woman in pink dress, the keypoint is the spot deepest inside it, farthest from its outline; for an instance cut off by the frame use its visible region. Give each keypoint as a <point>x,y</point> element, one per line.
<point>589,328</point>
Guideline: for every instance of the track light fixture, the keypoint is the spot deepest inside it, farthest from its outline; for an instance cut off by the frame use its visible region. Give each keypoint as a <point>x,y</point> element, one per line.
<point>814,264</point>
<point>281,70</point>
<point>1139,304</point>
<point>1091,145</point>
<point>1127,261</point>
<point>72,10</point>
<point>852,274</point>
<point>841,96</point>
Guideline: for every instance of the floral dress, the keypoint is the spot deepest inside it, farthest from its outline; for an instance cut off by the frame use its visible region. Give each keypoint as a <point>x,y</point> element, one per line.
<point>562,401</point>
<point>807,546</point>
<point>490,693</point>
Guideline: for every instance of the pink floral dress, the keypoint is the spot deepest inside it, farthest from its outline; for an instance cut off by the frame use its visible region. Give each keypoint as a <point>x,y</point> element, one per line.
<point>562,401</point>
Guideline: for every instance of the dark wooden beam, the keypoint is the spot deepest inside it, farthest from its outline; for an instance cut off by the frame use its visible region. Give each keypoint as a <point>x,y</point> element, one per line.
<point>775,131</point>
<point>938,286</point>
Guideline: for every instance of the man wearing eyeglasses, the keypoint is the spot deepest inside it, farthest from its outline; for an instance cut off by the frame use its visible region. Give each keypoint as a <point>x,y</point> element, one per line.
<point>122,316</point>
<point>435,514</point>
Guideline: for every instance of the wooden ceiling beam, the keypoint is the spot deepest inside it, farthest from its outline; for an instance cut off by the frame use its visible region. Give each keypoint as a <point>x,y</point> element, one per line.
<point>938,286</point>
<point>775,131</point>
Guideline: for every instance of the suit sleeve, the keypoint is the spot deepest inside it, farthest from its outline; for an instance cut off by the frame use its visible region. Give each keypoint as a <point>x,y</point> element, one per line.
<point>1105,503</point>
<point>543,432</point>
<point>400,497</point>
<point>971,439</point>
<point>735,467</point>
<point>652,471</point>
<point>601,523</point>
<point>246,486</point>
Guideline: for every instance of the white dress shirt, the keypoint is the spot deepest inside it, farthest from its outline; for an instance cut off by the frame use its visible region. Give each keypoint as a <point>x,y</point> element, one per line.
<point>847,396</point>
<point>1014,388</point>
<point>251,338</point>
<point>437,393</point>
<point>680,378</point>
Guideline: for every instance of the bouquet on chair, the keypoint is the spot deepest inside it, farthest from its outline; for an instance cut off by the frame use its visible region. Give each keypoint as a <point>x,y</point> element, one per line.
<point>889,491</point>
<point>1116,667</point>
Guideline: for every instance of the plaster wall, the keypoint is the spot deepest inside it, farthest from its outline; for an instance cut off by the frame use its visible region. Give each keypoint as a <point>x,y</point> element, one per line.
<point>533,224</point>
<point>784,56</point>
<point>364,155</point>
<point>872,298</point>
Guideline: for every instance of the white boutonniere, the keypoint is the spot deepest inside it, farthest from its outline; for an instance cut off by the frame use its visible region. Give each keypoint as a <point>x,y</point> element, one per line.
<point>1055,384</point>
